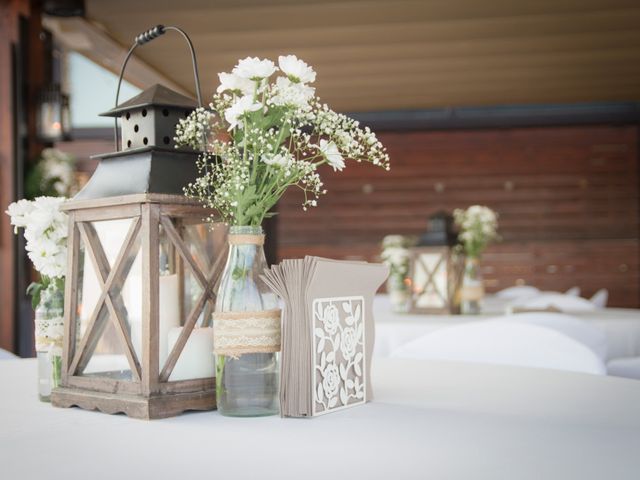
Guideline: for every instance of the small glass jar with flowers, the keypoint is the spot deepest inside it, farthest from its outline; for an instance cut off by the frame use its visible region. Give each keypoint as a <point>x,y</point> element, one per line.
<point>478,227</point>
<point>45,232</point>
<point>395,254</point>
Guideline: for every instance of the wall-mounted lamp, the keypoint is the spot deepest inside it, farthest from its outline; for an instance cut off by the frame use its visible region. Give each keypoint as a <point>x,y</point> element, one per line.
<point>54,115</point>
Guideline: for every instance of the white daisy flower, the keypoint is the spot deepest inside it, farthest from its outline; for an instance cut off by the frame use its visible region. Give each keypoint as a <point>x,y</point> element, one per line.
<point>279,160</point>
<point>234,83</point>
<point>292,94</point>
<point>296,70</point>
<point>253,68</point>
<point>330,151</point>
<point>242,106</point>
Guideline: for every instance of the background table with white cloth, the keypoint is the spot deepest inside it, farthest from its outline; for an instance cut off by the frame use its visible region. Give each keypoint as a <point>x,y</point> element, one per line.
<point>621,326</point>
<point>439,420</point>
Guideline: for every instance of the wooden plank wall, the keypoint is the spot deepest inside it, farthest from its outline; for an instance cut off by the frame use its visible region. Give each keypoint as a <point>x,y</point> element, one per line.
<point>567,197</point>
<point>8,35</point>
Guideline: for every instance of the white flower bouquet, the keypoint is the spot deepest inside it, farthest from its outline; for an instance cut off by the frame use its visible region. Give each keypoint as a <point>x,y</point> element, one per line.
<point>395,254</point>
<point>52,175</point>
<point>45,230</point>
<point>478,228</point>
<point>261,137</point>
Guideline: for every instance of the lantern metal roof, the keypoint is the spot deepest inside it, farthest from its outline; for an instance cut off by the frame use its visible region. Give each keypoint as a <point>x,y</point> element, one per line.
<point>440,231</point>
<point>157,96</point>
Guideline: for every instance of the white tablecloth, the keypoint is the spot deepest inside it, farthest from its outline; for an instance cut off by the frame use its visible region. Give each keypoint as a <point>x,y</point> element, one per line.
<point>430,420</point>
<point>620,325</point>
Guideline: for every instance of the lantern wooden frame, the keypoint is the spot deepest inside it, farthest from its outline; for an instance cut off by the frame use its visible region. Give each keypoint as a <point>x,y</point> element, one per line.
<point>149,394</point>
<point>454,265</point>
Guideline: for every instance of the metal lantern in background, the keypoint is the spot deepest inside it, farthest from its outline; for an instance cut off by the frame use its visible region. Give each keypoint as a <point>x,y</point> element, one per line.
<point>142,268</point>
<point>53,121</point>
<point>435,270</point>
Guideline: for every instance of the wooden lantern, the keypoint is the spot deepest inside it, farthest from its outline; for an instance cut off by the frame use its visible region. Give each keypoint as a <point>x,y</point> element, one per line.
<point>435,269</point>
<point>142,268</point>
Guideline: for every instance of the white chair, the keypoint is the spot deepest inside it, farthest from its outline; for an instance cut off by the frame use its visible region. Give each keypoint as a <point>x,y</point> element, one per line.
<point>518,291</point>
<point>4,355</point>
<point>505,343</point>
<point>573,291</point>
<point>564,303</point>
<point>600,298</point>
<point>588,335</point>
<point>627,367</point>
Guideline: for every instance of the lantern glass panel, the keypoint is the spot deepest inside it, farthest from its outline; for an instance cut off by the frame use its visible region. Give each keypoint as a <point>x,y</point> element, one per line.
<point>430,280</point>
<point>169,311</point>
<point>109,323</point>
<point>186,287</point>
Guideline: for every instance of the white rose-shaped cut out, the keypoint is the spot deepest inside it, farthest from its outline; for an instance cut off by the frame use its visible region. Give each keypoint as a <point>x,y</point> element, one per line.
<point>330,380</point>
<point>330,319</point>
<point>348,343</point>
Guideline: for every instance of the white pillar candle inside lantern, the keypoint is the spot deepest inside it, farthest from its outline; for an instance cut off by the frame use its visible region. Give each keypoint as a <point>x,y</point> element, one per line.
<point>196,360</point>
<point>169,313</point>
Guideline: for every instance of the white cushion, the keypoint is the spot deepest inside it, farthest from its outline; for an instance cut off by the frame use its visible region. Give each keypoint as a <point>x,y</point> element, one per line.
<point>627,367</point>
<point>588,335</point>
<point>565,303</point>
<point>506,343</point>
<point>4,355</point>
<point>573,291</point>
<point>600,298</point>
<point>518,291</point>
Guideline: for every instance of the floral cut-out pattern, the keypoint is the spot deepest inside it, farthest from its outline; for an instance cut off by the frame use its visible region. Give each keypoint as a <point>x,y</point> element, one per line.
<point>339,353</point>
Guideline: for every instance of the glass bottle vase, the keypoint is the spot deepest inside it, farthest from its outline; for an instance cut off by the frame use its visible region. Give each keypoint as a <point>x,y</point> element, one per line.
<point>49,331</point>
<point>398,292</point>
<point>472,291</point>
<point>246,383</point>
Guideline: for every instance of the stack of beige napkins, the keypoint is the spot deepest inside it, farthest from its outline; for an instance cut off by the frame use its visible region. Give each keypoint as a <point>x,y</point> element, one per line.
<point>327,332</point>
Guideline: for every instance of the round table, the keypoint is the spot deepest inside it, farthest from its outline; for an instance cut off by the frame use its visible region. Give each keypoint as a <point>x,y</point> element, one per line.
<point>620,325</point>
<point>428,420</point>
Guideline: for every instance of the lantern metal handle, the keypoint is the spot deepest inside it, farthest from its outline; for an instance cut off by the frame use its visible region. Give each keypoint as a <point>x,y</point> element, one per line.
<point>146,37</point>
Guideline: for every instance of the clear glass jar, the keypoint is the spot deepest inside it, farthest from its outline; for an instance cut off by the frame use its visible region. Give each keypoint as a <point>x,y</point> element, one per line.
<point>49,331</point>
<point>247,384</point>
<point>472,291</point>
<point>398,292</point>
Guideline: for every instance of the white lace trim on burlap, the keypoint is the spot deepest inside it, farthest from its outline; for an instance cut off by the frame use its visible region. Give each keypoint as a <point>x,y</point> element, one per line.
<point>49,333</point>
<point>236,333</point>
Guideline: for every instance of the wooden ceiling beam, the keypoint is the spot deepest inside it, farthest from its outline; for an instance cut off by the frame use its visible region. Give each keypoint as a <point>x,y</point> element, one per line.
<point>426,51</point>
<point>82,36</point>
<point>299,35</point>
<point>269,16</point>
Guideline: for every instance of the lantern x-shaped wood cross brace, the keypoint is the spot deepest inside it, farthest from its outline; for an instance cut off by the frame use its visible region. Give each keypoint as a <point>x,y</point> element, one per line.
<point>430,283</point>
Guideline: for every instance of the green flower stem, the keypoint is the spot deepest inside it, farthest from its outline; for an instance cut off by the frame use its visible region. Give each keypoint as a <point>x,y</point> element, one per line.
<point>219,370</point>
<point>56,369</point>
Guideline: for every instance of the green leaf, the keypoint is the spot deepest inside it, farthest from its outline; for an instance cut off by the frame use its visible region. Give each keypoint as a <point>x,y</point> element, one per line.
<point>238,273</point>
<point>34,290</point>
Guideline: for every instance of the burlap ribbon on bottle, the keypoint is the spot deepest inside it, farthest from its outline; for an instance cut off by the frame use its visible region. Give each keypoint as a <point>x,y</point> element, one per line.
<point>246,239</point>
<point>472,293</point>
<point>237,333</point>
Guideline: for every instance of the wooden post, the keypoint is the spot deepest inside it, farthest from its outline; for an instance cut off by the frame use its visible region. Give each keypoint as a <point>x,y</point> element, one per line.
<point>8,37</point>
<point>71,297</point>
<point>22,59</point>
<point>150,297</point>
